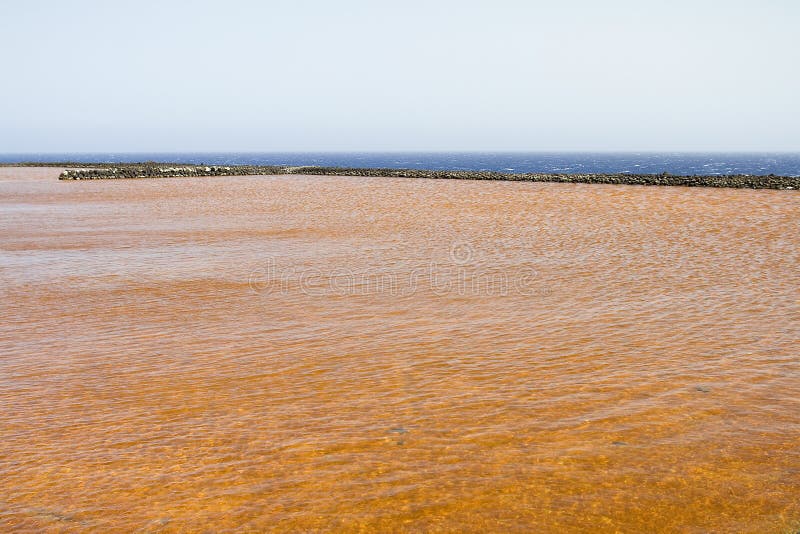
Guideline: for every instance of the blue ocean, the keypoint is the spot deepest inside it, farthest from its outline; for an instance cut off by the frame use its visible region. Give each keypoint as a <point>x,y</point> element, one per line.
<point>551,162</point>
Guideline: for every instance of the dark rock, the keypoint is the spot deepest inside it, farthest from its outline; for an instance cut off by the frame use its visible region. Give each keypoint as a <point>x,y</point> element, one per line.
<point>150,170</point>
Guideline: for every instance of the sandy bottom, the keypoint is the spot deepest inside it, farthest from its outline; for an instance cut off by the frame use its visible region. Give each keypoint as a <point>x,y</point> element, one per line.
<point>305,353</point>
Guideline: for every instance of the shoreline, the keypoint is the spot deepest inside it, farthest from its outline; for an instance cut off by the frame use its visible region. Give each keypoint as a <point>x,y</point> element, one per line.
<point>105,171</point>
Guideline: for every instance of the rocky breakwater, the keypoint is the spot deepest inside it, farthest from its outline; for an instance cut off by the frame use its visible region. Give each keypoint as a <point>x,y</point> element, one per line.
<point>733,180</point>
<point>159,171</point>
<point>163,171</point>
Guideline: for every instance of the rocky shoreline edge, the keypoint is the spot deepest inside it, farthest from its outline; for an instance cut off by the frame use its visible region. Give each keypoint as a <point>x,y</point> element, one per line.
<point>158,170</point>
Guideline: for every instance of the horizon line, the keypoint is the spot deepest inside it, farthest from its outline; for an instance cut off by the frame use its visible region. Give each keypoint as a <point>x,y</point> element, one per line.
<point>407,151</point>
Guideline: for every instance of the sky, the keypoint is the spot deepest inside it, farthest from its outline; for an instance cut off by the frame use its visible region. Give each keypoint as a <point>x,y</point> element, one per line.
<point>351,75</point>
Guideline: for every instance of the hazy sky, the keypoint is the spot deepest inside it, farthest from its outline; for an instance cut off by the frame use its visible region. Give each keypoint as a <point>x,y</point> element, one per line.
<point>245,75</point>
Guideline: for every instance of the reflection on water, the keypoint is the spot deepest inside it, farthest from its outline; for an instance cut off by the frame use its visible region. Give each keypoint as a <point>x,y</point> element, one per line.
<point>306,353</point>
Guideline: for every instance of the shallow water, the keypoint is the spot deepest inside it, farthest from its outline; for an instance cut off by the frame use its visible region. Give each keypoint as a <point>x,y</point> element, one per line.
<point>333,353</point>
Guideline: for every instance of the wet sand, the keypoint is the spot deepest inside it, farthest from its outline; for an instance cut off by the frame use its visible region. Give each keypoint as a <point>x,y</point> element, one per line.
<point>306,353</point>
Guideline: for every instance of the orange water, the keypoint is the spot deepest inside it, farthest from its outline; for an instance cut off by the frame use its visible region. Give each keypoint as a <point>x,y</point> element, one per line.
<point>325,353</point>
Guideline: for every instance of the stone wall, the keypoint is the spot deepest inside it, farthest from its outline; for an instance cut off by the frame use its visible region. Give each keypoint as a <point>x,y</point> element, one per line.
<point>164,171</point>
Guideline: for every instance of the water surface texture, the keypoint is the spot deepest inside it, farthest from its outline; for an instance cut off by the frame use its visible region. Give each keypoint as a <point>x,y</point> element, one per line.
<point>682,163</point>
<point>338,353</point>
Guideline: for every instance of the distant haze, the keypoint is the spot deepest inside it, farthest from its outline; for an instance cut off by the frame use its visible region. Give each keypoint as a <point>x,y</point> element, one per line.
<point>412,75</point>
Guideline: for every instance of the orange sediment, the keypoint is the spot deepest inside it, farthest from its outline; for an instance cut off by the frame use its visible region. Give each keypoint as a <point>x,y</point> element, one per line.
<point>321,352</point>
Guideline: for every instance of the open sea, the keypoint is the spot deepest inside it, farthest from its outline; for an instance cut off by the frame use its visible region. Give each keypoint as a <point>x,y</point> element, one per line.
<point>519,162</point>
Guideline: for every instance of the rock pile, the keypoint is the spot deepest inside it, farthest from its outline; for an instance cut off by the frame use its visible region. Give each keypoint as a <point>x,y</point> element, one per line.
<point>158,171</point>
<point>154,171</point>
